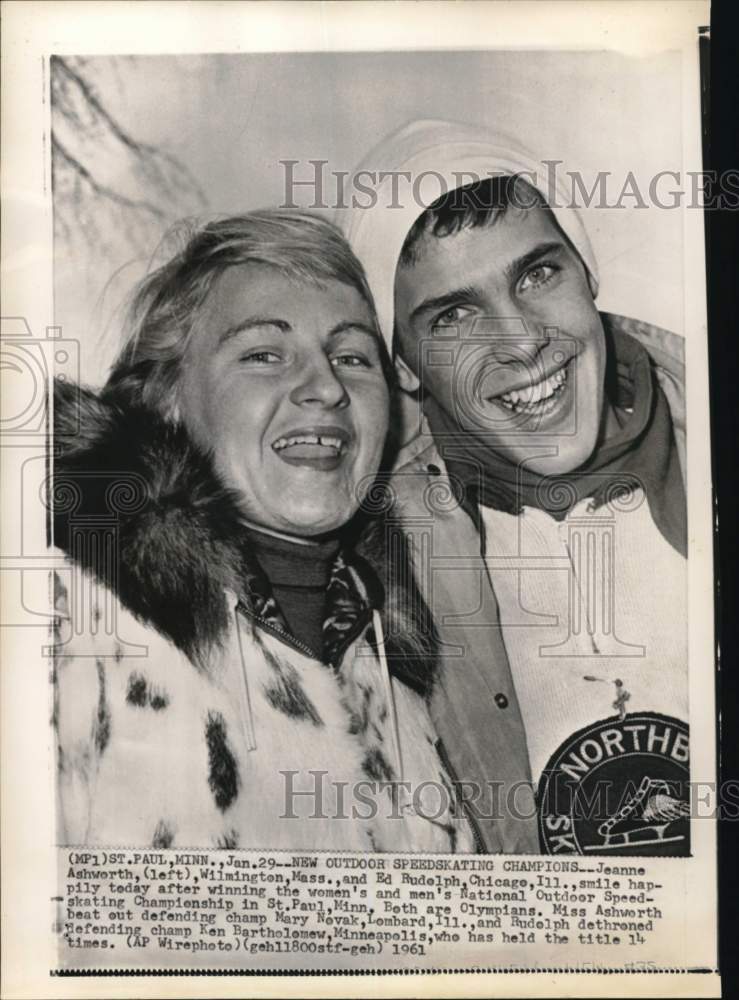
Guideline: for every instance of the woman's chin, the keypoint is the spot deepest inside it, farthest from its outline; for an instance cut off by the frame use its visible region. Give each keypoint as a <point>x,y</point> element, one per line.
<point>309,524</point>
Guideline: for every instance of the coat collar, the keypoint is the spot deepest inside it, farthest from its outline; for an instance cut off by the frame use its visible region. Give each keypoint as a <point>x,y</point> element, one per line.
<point>179,546</point>
<point>348,605</point>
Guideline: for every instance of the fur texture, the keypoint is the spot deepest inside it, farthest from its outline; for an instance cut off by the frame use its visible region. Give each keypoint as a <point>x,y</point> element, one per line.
<point>181,545</point>
<point>185,713</point>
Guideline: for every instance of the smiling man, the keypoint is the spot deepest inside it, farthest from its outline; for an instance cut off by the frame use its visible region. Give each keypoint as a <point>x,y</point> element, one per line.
<point>555,434</point>
<point>501,291</point>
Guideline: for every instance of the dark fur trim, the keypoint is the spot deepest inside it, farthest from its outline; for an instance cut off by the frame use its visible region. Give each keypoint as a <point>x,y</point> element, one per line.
<point>285,692</point>
<point>411,639</point>
<point>158,700</point>
<point>139,694</point>
<point>223,771</point>
<point>359,721</point>
<point>179,537</point>
<point>102,719</point>
<point>177,526</point>
<point>163,835</point>
<point>376,767</point>
<point>228,840</point>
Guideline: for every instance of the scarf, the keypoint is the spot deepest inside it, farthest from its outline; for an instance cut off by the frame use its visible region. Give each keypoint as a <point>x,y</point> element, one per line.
<point>299,576</point>
<point>640,453</point>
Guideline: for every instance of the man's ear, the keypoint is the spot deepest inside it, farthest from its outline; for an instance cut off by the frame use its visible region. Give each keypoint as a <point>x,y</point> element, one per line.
<point>407,380</point>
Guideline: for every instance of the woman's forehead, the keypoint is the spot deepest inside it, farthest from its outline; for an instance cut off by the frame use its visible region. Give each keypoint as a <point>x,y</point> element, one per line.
<point>249,293</point>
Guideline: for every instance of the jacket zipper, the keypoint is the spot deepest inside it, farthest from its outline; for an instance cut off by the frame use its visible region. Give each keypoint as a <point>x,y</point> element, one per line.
<point>290,640</point>
<point>472,820</point>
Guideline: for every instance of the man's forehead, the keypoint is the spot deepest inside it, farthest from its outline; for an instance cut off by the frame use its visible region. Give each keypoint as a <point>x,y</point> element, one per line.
<point>504,232</point>
<point>474,253</point>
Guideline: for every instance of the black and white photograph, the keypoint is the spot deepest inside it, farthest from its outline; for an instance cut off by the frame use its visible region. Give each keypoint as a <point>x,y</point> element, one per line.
<point>366,448</point>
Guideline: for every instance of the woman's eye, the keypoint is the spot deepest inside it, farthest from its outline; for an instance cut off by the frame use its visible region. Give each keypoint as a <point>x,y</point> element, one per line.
<point>260,357</point>
<point>537,276</point>
<point>350,361</point>
<point>452,316</point>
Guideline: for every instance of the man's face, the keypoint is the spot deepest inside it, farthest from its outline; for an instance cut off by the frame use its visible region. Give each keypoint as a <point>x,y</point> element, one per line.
<point>500,325</point>
<point>283,381</point>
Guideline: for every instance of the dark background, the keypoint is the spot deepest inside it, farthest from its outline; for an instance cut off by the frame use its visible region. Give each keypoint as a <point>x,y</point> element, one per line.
<point>723,309</point>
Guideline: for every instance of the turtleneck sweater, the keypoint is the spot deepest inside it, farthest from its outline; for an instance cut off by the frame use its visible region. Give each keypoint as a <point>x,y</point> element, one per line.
<point>299,573</point>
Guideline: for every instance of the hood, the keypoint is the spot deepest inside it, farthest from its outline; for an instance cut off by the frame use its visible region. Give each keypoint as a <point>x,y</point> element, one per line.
<point>435,156</point>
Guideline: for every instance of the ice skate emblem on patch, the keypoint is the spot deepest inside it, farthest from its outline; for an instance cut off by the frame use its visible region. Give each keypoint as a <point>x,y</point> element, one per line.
<point>619,787</point>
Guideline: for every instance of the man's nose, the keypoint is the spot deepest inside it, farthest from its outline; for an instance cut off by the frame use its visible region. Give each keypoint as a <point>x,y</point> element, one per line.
<point>515,339</point>
<point>318,383</point>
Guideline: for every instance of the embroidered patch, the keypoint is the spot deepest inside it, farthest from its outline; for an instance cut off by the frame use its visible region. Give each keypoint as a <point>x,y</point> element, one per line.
<point>618,787</point>
<point>223,772</point>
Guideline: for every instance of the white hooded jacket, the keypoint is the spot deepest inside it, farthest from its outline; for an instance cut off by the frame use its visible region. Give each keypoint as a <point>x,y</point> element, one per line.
<point>475,705</point>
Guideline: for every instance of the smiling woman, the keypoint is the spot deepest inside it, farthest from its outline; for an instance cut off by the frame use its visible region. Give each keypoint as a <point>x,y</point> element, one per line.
<point>253,659</point>
<point>300,365</point>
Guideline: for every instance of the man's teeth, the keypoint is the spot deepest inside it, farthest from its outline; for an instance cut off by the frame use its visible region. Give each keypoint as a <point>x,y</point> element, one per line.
<point>535,398</point>
<point>326,440</point>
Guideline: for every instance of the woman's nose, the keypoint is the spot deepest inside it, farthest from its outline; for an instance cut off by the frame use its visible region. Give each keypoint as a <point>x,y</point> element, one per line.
<point>317,382</point>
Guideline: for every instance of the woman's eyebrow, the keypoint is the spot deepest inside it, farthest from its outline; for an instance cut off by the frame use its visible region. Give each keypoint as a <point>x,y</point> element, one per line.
<point>250,324</point>
<point>348,326</point>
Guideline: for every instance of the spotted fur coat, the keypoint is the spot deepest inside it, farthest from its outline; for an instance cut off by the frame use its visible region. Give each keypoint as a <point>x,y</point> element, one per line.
<point>186,714</point>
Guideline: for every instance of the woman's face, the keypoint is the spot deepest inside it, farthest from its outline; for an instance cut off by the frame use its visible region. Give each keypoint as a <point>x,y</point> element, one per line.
<point>283,381</point>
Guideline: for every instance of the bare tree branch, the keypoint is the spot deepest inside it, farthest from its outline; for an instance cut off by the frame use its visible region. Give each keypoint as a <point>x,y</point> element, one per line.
<point>142,149</point>
<point>101,189</point>
<point>113,194</point>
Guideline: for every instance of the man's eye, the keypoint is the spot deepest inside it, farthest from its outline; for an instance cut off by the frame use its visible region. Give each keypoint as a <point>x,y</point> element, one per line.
<point>260,357</point>
<point>537,276</point>
<point>452,316</point>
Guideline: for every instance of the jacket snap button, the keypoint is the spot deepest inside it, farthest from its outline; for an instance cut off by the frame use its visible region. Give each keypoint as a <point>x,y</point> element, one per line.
<point>501,701</point>
<point>433,470</point>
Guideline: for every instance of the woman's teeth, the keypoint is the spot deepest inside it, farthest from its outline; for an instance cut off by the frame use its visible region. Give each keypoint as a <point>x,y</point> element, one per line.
<point>537,398</point>
<point>325,440</point>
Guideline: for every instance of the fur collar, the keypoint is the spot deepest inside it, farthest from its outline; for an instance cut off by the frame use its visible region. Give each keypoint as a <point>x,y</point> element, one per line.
<point>180,543</point>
